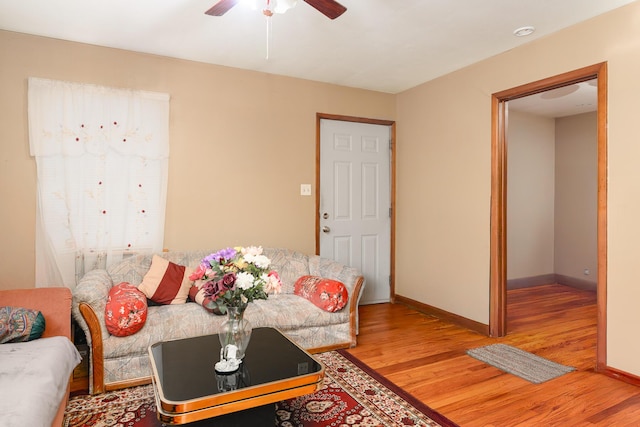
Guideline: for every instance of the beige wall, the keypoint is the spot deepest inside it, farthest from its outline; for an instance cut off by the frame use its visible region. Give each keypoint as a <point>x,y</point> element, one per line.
<point>241,144</point>
<point>552,197</point>
<point>444,175</point>
<point>530,195</point>
<point>576,246</point>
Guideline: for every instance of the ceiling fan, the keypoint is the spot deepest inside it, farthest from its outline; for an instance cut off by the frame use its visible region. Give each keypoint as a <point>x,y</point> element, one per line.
<point>330,8</point>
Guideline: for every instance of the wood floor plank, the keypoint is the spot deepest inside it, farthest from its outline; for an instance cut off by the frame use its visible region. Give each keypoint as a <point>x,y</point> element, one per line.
<point>427,358</point>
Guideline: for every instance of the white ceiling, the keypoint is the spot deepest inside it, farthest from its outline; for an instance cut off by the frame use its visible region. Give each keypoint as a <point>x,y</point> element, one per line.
<point>382,45</point>
<point>564,101</point>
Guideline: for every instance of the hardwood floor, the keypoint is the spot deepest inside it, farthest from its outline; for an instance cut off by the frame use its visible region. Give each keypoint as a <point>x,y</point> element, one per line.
<point>426,357</point>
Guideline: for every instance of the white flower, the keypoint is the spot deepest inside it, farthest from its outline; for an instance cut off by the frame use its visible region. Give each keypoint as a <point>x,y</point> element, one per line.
<point>251,251</point>
<point>261,261</point>
<point>244,280</point>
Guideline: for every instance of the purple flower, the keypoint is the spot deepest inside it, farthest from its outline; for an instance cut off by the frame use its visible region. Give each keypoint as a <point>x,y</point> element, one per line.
<point>223,254</point>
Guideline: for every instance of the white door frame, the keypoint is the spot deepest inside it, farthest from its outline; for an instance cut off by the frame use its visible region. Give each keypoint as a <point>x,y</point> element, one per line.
<point>392,184</point>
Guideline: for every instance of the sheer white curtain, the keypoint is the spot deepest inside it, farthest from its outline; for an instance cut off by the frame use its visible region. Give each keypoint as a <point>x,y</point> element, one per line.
<point>102,159</point>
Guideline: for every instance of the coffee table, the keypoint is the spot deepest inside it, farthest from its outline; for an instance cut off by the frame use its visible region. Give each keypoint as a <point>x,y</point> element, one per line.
<point>188,390</point>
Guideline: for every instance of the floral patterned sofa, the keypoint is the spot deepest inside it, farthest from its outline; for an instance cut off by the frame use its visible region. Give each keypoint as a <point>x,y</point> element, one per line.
<point>119,362</point>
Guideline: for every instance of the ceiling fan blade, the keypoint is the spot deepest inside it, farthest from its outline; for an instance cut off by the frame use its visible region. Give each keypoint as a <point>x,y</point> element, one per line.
<point>221,7</point>
<point>330,8</point>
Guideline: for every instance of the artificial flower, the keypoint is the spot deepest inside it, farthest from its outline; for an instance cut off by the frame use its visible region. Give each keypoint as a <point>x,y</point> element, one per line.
<point>234,277</point>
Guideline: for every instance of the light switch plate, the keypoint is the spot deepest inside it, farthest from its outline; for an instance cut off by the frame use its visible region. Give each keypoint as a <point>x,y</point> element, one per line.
<point>305,189</point>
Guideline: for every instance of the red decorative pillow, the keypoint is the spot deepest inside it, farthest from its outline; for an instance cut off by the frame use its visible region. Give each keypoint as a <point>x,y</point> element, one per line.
<point>329,295</point>
<point>126,310</point>
<point>166,282</point>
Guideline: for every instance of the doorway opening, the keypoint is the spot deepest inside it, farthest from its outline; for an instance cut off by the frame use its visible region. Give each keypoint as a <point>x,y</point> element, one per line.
<point>498,281</point>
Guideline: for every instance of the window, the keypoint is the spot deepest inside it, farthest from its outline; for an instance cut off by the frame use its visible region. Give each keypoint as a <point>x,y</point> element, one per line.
<point>102,160</point>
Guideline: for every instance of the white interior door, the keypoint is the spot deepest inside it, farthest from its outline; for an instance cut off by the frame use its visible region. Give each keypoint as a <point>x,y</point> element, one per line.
<point>355,201</point>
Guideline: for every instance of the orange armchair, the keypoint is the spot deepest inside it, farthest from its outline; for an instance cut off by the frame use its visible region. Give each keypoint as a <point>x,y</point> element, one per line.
<point>55,306</point>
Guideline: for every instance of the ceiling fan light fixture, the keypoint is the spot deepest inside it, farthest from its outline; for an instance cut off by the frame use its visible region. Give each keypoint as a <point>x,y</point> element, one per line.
<point>272,6</point>
<point>524,31</point>
<point>329,8</point>
<point>281,6</point>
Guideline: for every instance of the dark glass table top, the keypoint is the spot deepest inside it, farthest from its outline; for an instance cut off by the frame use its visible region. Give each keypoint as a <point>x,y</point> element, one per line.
<point>184,369</point>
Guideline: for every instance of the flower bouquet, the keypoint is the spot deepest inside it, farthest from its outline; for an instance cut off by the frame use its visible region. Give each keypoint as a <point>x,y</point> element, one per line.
<point>233,277</point>
<point>230,279</point>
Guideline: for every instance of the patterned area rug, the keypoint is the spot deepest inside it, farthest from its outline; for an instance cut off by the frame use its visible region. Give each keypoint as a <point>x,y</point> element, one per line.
<point>352,395</point>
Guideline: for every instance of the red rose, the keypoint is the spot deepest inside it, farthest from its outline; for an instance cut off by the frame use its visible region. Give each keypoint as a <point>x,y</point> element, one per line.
<point>228,281</point>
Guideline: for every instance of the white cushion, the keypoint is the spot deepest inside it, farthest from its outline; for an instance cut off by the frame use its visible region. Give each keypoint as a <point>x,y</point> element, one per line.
<point>35,376</point>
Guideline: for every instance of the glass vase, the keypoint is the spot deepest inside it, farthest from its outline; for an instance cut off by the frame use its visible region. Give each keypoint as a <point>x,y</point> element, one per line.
<point>236,330</point>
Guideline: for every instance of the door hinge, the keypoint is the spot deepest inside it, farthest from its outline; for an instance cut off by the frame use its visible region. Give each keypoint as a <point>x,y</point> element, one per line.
<point>390,212</point>
<point>391,144</point>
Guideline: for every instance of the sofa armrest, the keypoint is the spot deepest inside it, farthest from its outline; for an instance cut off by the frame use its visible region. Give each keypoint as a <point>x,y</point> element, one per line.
<point>94,337</point>
<point>93,290</point>
<point>354,315</point>
<point>89,301</point>
<point>53,303</point>
<point>351,277</point>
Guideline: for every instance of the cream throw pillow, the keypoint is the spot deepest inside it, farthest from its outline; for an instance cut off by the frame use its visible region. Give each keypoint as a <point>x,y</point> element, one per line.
<point>166,282</point>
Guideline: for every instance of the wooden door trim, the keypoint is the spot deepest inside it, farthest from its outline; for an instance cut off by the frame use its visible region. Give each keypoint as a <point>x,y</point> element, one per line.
<point>392,184</point>
<point>498,252</point>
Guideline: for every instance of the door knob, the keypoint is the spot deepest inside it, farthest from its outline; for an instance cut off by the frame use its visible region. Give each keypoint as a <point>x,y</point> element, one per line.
<point>325,215</point>
<point>326,229</point>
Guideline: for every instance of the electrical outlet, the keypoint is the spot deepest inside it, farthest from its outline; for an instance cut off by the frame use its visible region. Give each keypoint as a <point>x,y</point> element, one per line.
<point>305,189</point>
